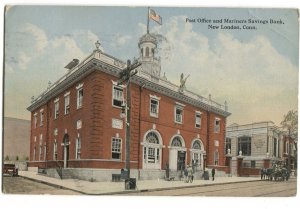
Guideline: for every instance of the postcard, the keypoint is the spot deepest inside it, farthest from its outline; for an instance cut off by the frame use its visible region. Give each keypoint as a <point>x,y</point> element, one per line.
<point>150,101</point>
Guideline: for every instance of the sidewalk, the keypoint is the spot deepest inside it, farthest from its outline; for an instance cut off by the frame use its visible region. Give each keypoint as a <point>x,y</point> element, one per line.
<point>109,188</point>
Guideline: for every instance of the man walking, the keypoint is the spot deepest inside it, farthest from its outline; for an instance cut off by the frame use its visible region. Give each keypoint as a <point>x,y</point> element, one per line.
<point>213,171</point>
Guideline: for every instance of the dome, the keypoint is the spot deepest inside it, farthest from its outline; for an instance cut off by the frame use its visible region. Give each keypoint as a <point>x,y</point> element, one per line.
<point>148,38</point>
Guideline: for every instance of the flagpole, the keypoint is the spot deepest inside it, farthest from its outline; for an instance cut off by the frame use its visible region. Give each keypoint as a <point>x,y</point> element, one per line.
<point>148,20</point>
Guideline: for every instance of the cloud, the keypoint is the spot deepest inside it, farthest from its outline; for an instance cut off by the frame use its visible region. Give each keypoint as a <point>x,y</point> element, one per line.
<point>257,82</point>
<point>28,43</point>
<point>120,40</point>
<point>30,55</point>
<point>86,40</point>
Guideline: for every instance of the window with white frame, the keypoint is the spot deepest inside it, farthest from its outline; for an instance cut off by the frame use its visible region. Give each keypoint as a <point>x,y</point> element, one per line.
<point>55,150</point>
<point>178,114</point>
<point>78,148</point>
<point>117,96</point>
<point>154,106</point>
<point>198,119</point>
<point>216,157</point>
<point>40,147</point>
<point>35,119</point>
<point>34,152</point>
<point>116,148</point>
<point>196,157</point>
<point>151,148</point>
<point>56,108</point>
<point>79,97</point>
<point>217,125</point>
<point>45,151</point>
<point>41,118</point>
<point>34,149</point>
<point>67,103</point>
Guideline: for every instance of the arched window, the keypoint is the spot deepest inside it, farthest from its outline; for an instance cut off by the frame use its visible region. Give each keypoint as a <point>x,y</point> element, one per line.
<point>55,150</point>
<point>176,142</point>
<point>216,157</point>
<point>152,150</point>
<point>147,51</point>
<point>152,138</point>
<point>196,145</point>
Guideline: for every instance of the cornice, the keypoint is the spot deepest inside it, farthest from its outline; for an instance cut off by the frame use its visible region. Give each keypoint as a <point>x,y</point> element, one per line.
<point>96,64</point>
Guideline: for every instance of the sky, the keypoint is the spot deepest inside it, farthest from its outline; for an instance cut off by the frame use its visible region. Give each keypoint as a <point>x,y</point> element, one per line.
<point>255,71</point>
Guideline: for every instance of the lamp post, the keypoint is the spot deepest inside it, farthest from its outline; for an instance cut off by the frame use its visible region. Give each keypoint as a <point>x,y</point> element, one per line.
<point>125,76</point>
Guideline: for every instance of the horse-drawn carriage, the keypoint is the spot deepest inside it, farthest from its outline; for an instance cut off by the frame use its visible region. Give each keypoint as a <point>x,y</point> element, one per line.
<point>278,172</point>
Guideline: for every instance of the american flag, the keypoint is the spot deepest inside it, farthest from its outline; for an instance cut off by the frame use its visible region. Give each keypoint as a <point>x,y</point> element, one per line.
<point>155,17</point>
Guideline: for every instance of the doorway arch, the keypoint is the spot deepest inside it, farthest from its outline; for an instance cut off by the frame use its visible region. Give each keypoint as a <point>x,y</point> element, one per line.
<point>152,150</point>
<point>177,153</point>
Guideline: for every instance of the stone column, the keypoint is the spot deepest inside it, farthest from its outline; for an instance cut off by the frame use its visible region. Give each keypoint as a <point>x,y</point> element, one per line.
<point>239,165</point>
<point>229,160</point>
<point>267,162</point>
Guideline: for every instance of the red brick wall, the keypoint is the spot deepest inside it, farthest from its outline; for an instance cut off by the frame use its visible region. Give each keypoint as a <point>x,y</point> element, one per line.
<point>220,136</point>
<point>96,132</point>
<point>250,171</point>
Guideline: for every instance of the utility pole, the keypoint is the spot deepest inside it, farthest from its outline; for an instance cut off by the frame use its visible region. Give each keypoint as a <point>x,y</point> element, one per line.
<point>125,76</point>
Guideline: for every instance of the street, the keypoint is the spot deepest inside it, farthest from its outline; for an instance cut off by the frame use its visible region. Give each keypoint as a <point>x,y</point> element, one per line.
<point>19,185</point>
<point>246,189</point>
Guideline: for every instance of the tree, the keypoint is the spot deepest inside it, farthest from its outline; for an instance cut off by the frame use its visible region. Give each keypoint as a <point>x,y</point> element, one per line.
<point>290,124</point>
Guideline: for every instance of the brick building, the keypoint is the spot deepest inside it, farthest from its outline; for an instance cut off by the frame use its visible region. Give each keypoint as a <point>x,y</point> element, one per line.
<point>76,122</point>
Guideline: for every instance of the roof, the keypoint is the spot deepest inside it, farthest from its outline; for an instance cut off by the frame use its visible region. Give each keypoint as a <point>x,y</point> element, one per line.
<point>111,65</point>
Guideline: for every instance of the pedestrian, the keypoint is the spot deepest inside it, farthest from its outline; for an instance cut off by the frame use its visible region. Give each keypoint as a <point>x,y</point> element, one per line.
<point>185,175</point>
<point>213,172</point>
<point>190,174</point>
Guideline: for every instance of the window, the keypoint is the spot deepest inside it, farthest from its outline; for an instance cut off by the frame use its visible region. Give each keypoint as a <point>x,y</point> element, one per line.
<point>117,96</point>
<point>287,147</point>
<point>79,98</point>
<point>78,148</point>
<point>178,114</point>
<point>116,148</point>
<point>176,142</point>
<point>244,145</point>
<point>197,145</point>
<point>35,119</point>
<point>253,163</point>
<point>228,145</point>
<point>40,147</point>
<point>56,109</point>
<point>154,107</point>
<point>216,157</point>
<point>198,120</point>
<point>217,125</point>
<point>151,150</point>
<point>41,118</point>
<point>45,150</point>
<point>55,150</point>
<point>147,51</point>
<point>275,147</point>
<point>67,104</point>
<point>34,153</point>
<point>196,157</point>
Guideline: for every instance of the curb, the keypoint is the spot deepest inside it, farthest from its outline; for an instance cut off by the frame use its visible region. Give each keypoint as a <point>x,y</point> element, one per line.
<point>171,188</point>
<point>133,191</point>
<point>51,184</point>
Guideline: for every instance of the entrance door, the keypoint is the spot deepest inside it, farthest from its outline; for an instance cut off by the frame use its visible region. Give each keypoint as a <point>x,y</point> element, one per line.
<point>66,156</point>
<point>181,160</point>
